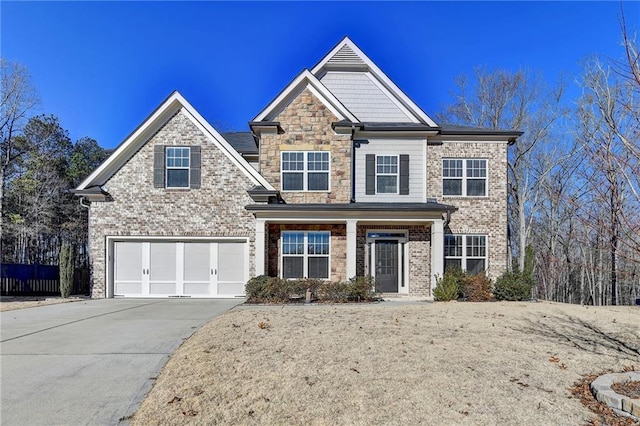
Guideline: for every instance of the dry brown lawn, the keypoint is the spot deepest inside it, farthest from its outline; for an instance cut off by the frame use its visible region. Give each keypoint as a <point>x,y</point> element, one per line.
<point>393,364</point>
<point>10,303</point>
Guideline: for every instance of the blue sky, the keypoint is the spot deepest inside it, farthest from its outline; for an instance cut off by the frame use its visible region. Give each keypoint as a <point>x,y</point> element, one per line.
<point>102,67</point>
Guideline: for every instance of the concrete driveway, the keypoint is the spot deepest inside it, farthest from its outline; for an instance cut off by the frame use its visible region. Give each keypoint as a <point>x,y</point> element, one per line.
<point>91,362</point>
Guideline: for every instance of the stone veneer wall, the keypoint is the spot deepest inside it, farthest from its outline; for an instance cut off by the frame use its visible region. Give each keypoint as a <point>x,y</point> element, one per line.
<point>419,252</point>
<point>139,209</point>
<point>476,215</point>
<point>306,122</point>
<point>338,254</point>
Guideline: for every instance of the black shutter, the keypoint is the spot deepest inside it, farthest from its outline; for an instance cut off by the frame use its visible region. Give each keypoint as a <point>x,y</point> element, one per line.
<point>404,175</point>
<point>370,174</point>
<point>158,166</point>
<point>195,167</point>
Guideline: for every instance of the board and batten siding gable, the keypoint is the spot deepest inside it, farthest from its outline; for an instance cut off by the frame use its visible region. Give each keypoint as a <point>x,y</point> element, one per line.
<point>413,148</point>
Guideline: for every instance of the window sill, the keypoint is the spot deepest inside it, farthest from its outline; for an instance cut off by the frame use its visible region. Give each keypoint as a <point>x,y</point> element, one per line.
<point>465,197</point>
<point>176,189</point>
<point>284,191</point>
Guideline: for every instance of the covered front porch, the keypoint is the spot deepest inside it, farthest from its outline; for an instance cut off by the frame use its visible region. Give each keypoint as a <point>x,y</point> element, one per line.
<point>400,245</point>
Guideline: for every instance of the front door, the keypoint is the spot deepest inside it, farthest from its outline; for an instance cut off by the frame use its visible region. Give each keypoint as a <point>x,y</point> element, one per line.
<point>387,265</point>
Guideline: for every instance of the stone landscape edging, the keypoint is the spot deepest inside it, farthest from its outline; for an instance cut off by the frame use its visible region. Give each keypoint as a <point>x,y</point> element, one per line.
<point>621,404</point>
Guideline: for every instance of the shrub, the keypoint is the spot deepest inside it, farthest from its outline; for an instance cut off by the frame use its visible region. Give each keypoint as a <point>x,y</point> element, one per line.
<point>337,292</point>
<point>362,289</point>
<point>265,289</point>
<point>300,286</point>
<point>447,287</point>
<point>513,286</point>
<point>66,268</point>
<point>477,288</point>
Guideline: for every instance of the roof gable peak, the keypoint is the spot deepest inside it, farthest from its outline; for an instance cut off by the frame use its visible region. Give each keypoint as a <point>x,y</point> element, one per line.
<point>347,56</point>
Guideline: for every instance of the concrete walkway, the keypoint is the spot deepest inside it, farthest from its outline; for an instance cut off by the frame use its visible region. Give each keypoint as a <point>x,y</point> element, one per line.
<point>90,362</point>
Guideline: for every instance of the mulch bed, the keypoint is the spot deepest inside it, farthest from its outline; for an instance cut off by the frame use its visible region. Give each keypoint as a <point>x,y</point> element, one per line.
<point>630,389</point>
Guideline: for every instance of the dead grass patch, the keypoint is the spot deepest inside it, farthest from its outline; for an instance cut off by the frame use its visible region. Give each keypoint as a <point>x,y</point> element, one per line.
<point>10,303</point>
<point>444,363</point>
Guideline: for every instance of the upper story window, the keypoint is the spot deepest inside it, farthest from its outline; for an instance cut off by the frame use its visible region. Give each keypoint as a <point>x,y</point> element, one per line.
<point>387,174</point>
<point>464,177</point>
<point>305,171</point>
<point>466,252</point>
<point>305,254</point>
<point>177,167</point>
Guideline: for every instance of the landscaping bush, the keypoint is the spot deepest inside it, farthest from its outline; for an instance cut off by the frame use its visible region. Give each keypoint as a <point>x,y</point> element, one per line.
<point>362,289</point>
<point>300,286</point>
<point>513,286</point>
<point>337,292</point>
<point>447,286</point>
<point>66,268</point>
<point>265,289</point>
<point>477,288</point>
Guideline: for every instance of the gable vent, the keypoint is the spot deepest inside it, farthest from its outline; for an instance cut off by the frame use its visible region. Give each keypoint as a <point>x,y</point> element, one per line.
<point>345,56</point>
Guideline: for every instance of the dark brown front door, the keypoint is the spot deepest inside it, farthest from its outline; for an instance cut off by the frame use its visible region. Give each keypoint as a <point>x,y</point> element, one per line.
<point>387,265</point>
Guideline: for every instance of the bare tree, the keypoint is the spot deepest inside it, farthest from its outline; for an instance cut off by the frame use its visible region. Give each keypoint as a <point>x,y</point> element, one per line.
<point>17,99</point>
<point>609,130</point>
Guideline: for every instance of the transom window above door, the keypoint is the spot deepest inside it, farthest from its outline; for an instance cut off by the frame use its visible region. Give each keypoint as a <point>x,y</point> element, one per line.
<point>464,177</point>
<point>305,171</point>
<point>177,166</point>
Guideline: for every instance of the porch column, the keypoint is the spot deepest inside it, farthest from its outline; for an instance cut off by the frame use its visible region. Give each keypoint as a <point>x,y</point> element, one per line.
<point>259,247</point>
<point>351,247</point>
<point>437,251</point>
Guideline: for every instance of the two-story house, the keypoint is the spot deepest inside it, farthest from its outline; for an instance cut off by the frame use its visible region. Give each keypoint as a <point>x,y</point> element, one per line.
<point>342,175</point>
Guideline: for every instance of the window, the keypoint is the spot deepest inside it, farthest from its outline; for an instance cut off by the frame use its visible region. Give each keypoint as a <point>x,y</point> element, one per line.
<point>305,171</point>
<point>466,252</point>
<point>464,177</point>
<point>305,254</point>
<point>387,174</point>
<point>177,167</point>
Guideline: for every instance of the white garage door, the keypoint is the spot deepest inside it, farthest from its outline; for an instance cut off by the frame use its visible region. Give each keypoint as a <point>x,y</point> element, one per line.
<point>196,269</point>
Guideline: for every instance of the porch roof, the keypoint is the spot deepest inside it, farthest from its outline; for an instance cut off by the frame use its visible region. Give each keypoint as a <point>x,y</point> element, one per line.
<point>338,213</point>
<point>353,207</point>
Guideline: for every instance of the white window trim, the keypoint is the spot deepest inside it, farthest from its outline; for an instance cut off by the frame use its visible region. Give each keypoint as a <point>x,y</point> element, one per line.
<point>167,168</point>
<point>305,171</point>
<point>305,256</point>
<point>396,174</point>
<point>465,177</point>
<point>464,257</point>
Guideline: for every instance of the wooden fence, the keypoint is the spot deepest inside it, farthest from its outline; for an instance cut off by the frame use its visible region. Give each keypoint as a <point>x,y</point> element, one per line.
<point>38,280</point>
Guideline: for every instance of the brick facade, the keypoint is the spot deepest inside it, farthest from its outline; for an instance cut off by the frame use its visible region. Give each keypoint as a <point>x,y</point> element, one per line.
<point>306,122</point>
<point>139,209</point>
<point>476,215</point>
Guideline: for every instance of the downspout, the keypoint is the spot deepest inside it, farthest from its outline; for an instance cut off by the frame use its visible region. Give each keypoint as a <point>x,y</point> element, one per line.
<point>353,164</point>
<point>447,219</point>
<point>86,206</point>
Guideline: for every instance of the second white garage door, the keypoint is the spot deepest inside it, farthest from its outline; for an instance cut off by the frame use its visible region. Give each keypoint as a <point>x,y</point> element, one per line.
<point>196,269</point>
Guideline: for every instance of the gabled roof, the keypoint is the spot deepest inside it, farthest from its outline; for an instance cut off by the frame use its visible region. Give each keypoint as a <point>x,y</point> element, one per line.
<point>158,118</point>
<point>304,80</point>
<point>347,57</point>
